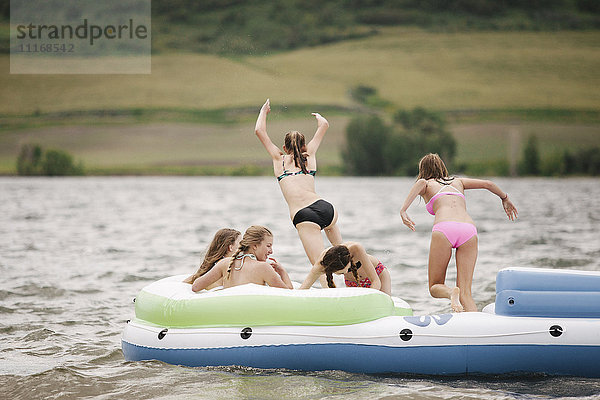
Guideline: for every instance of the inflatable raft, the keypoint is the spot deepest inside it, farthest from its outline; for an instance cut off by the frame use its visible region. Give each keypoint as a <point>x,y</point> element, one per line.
<point>543,321</point>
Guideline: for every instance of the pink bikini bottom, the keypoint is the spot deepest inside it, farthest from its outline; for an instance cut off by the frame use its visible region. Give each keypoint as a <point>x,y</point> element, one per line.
<point>457,233</point>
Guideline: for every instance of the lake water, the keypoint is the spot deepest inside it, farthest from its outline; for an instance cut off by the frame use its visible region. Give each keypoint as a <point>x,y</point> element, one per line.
<point>74,252</point>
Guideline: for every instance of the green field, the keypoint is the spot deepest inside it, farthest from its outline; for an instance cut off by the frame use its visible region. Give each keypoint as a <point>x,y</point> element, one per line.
<point>196,111</point>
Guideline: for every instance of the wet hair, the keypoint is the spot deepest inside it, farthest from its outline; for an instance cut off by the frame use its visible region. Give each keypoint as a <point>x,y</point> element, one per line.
<point>296,144</point>
<point>217,249</point>
<point>432,166</point>
<point>335,259</point>
<point>253,235</point>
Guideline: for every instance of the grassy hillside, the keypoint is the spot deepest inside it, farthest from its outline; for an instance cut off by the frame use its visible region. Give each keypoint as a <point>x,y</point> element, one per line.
<point>198,110</point>
<point>408,67</point>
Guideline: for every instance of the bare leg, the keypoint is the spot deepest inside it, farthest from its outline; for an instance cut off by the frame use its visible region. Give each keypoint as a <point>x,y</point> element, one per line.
<point>310,235</point>
<point>386,282</point>
<point>466,257</point>
<point>455,300</point>
<point>440,252</point>
<point>333,232</point>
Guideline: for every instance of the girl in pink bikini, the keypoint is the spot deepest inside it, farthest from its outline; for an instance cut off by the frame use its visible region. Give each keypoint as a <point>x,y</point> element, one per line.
<point>359,268</point>
<point>452,228</point>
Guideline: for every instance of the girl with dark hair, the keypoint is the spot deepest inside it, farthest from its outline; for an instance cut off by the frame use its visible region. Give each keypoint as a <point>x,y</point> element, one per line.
<point>359,268</point>
<point>295,169</point>
<point>452,228</point>
<point>248,264</point>
<point>224,244</point>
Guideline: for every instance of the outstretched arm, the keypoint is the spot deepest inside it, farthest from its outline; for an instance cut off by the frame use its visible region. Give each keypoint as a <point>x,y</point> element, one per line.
<point>315,272</point>
<point>509,207</point>
<point>261,131</point>
<point>417,189</point>
<point>322,126</point>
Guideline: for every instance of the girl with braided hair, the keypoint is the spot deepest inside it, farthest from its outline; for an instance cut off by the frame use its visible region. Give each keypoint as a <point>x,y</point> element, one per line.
<point>295,169</point>
<point>249,264</point>
<point>225,242</point>
<point>359,268</point>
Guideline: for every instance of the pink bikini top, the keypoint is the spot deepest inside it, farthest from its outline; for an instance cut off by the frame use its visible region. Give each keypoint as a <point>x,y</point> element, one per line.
<point>429,205</point>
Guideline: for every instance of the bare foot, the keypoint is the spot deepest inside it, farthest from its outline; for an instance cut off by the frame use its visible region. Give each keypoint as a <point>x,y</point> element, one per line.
<point>455,300</point>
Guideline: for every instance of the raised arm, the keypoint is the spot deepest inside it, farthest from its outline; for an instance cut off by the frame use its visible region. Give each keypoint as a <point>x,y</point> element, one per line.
<point>509,207</point>
<point>213,275</point>
<point>322,126</point>
<point>359,253</point>
<point>418,189</point>
<point>261,131</point>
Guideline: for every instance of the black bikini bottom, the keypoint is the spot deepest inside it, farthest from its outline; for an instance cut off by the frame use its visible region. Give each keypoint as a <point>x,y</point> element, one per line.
<point>320,212</point>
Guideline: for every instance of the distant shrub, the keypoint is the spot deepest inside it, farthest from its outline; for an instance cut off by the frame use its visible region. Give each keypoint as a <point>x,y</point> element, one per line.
<point>425,132</point>
<point>367,95</point>
<point>29,161</point>
<point>375,148</point>
<point>32,160</point>
<point>579,162</point>
<point>60,163</point>
<point>530,163</point>
<point>361,93</point>
<point>582,162</point>
<point>366,139</point>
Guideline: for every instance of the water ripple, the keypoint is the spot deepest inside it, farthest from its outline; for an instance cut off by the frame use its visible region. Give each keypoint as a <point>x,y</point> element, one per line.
<point>79,249</point>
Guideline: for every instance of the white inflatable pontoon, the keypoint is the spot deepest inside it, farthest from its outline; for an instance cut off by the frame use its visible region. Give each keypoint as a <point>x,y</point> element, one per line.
<point>543,321</point>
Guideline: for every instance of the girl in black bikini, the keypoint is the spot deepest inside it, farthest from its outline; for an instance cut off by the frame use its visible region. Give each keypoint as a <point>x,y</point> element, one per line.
<point>295,169</point>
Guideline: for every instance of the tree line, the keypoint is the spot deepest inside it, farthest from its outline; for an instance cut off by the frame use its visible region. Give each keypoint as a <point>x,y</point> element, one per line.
<point>34,160</point>
<point>250,27</point>
<point>376,148</point>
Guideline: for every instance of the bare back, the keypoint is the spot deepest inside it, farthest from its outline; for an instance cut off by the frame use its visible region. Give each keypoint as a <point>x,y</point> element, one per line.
<point>447,208</point>
<point>251,272</point>
<point>298,190</point>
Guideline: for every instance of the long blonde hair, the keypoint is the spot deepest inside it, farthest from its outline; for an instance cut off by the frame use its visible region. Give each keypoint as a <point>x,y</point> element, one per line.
<point>296,143</point>
<point>217,249</point>
<point>253,235</point>
<point>432,166</point>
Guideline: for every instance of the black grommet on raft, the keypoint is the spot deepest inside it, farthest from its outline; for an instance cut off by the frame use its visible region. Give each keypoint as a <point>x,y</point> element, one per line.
<point>406,334</point>
<point>511,301</point>
<point>134,299</point>
<point>246,333</point>
<point>162,333</point>
<point>556,330</point>
<point>128,321</point>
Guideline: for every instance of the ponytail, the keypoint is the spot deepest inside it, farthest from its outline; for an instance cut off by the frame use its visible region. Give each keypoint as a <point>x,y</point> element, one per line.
<point>329,276</point>
<point>354,269</point>
<point>233,258</point>
<point>295,142</point>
